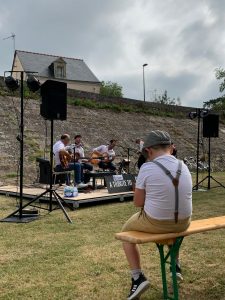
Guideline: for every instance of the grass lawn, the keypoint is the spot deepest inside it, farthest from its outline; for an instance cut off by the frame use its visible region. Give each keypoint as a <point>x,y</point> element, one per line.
<point>52,259</point>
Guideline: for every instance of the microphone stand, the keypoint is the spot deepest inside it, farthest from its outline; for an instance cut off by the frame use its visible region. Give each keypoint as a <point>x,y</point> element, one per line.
<point>128,158</point>
<point>74,162</point>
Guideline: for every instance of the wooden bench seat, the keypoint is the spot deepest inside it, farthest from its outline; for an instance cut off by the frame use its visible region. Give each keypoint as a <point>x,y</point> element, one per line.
<point>175,241</point>
<point>197,226</point>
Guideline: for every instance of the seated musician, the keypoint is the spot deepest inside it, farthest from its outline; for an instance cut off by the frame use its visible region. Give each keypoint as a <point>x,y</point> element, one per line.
<point>163,182</point>
<point>59,150</point>
<point>79,150</point>
<point>173,150</point>
<point>140,144</point>
<point>108,154</point>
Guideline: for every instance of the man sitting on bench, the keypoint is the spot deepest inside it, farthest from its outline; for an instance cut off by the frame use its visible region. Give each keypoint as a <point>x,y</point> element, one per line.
<point>164,192</point>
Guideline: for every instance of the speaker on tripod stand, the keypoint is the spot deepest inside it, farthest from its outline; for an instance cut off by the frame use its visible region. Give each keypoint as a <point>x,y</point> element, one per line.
<point>54,100</point>
<point>210,130</point>
<point>211,126</point>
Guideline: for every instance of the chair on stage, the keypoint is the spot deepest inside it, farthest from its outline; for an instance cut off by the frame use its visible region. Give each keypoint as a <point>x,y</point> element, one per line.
<point>44,173</point>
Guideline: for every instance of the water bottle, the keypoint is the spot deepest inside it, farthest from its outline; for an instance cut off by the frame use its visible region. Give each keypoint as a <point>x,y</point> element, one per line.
<point>70,191</point>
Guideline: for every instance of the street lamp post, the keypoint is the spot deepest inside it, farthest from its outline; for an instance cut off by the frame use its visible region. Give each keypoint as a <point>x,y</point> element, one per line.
<point>144,65</point>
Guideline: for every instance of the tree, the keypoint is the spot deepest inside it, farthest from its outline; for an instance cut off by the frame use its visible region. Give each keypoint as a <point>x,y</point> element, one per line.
<point>220,74</point>
<point>111,89</point>
<point>218,104</point>
<point>164,99</point>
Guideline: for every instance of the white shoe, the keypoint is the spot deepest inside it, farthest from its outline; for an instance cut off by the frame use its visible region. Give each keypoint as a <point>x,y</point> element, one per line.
<point>81,185</point>
<point>178,275</point>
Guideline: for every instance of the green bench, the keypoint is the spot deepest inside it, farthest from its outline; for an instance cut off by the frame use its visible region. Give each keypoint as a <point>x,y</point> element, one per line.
<point>174,240</point>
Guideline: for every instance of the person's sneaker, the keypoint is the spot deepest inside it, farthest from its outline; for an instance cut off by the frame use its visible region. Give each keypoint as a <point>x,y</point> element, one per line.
<point>138,287</point>
<point>81,185</point>
<point>178,272</point>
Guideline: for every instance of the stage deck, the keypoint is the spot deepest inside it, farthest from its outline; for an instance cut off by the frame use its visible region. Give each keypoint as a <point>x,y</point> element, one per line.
<point>94,196</point>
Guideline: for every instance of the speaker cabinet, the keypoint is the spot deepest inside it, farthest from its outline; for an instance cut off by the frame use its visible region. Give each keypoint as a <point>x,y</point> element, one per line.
<point>211,125</point>
<point>54,100</point>
<point>44,172</point>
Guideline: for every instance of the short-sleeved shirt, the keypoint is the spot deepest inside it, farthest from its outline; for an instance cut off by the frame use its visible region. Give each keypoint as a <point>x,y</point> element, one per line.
<point>57,147</point>
<point>160,191</point>
<point>78,149</point>
<point>105,149</point>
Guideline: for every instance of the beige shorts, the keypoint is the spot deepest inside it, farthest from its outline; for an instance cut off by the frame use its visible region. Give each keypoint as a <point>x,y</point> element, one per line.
<point>142,222</point>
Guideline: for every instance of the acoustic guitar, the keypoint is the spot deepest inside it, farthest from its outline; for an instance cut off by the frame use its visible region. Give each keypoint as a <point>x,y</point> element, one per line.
<point>65,159</point>
<point>94,159</point>
<point>97,157</point>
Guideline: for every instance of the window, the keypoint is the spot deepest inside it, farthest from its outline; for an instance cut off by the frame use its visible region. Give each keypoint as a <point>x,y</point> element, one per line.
<point>60,71</point>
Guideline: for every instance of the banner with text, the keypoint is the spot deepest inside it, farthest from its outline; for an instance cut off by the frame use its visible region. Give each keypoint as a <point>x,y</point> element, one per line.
<point>120,183</point>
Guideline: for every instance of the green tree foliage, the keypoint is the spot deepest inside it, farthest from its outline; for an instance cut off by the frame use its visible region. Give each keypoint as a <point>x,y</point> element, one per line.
<point>218,104</point>
<point>220,74</point>
<point>111,89</point>
<point>164,99</point>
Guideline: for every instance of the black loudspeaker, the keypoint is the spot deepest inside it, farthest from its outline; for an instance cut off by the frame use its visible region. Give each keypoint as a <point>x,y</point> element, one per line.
<point>45,172</point>
<point>54,100</point>
<point>211,125</point>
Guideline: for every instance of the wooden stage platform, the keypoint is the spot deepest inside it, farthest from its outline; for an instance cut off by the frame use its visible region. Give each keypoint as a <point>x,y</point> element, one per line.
<point>83,198</point>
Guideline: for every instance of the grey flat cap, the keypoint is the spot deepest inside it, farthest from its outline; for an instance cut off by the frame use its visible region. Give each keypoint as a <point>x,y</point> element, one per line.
<point>157,137</point>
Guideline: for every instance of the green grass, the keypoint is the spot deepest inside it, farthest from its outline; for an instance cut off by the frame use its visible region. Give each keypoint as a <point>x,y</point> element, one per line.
<point>140,108</point>
<point>11,175</point>
<point>52,259</point>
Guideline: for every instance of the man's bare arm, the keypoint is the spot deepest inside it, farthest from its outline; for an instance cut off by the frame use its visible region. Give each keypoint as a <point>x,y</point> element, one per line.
<point>139,197</point>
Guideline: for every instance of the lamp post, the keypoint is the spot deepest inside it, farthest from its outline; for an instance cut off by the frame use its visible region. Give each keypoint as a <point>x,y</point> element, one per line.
<point>144,65</point>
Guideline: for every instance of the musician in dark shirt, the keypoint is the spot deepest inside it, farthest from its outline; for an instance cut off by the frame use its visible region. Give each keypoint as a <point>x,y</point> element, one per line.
<point>173,150</point>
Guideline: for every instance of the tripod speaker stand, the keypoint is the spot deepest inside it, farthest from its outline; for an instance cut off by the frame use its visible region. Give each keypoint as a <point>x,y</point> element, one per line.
<point>209,177</point>
<point>53,195</point>
<point>210,129</point>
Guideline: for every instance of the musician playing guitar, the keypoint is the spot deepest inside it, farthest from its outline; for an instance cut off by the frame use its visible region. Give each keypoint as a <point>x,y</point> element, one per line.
<point>63,160</point>
<point>80,157</point>
<point>108,155</point>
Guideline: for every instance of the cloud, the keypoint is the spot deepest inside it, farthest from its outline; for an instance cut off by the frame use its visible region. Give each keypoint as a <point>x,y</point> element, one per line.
<point>182,41</point>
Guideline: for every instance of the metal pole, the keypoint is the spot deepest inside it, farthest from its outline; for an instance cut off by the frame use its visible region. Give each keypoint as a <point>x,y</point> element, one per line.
<point>209,163</point>
<point>21,145</point>
<point>51,167</point>
<point>144,81</point>
<point>198,116</point>
<point>128,158</point>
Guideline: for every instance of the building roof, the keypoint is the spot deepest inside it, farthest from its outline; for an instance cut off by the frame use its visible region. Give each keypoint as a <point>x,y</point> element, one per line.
<point>76,69</point>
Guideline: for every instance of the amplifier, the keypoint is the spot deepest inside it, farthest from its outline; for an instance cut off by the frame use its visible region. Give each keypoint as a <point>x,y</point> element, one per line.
<point>44,170</point>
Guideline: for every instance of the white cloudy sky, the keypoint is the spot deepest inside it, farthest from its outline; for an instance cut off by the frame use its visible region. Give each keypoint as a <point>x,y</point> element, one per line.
<point>182,41</point>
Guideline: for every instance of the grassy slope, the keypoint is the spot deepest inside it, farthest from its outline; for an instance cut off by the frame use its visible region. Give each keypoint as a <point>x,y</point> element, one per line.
<point>51,259</point>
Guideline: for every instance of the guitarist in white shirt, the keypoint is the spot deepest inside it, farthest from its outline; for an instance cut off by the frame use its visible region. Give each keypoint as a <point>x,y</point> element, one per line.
<point>108,153</point>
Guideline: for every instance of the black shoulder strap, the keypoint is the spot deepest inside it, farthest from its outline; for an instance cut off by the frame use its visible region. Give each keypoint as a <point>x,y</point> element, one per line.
<point>175,181</point>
